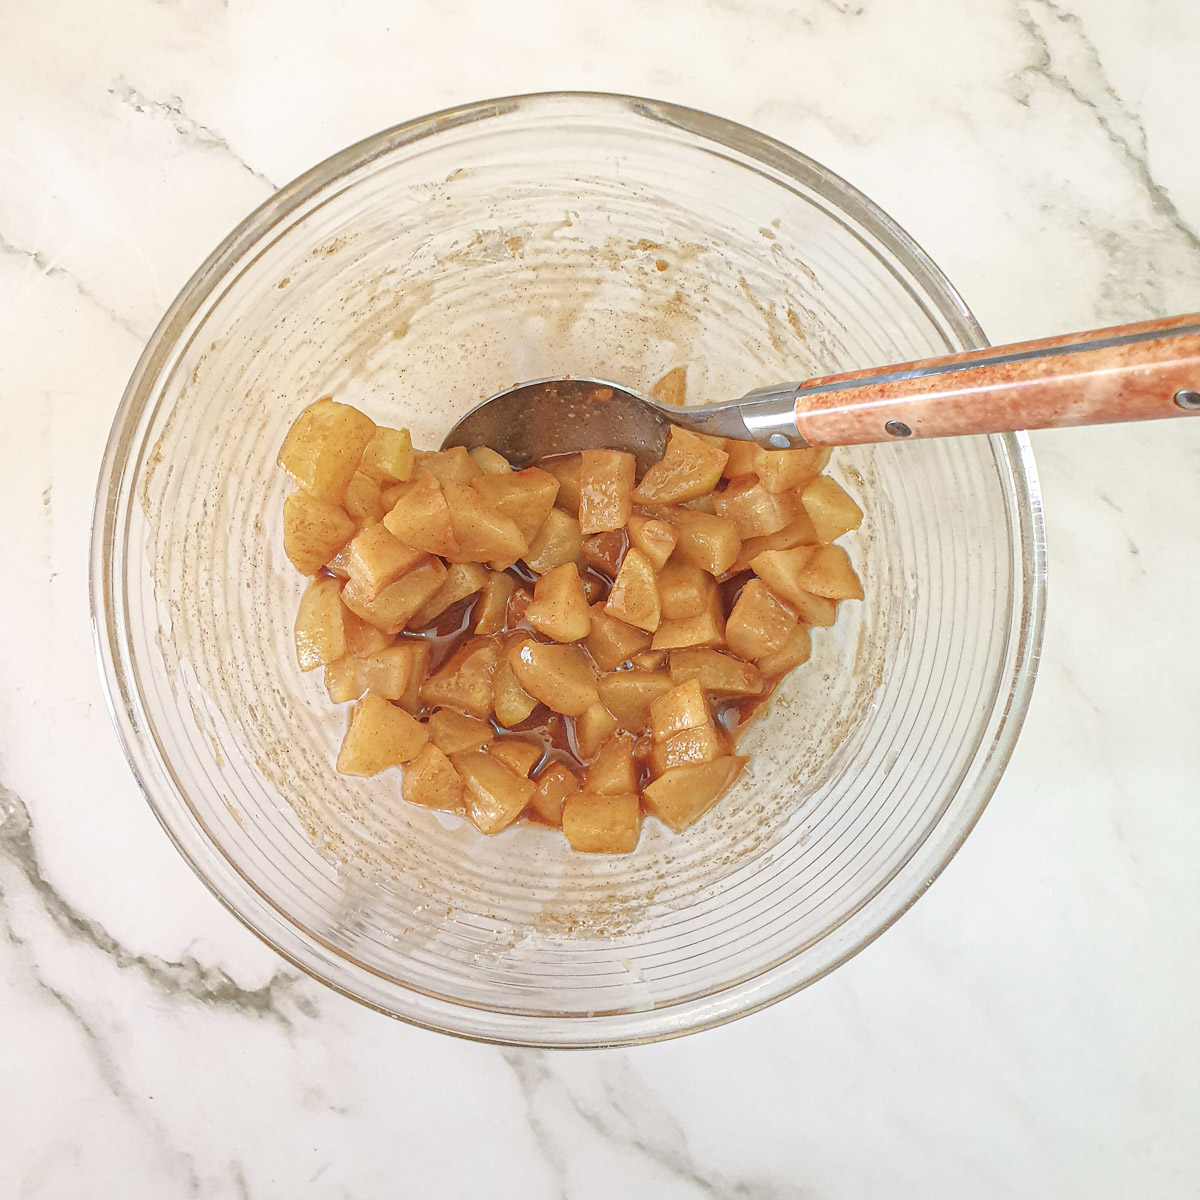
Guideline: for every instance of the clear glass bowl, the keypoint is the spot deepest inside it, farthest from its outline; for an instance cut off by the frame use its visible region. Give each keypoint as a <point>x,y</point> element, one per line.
<point>413,274</point>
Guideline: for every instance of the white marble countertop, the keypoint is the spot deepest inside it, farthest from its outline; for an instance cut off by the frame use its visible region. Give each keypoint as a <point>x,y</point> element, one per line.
<point>1028,1029</point>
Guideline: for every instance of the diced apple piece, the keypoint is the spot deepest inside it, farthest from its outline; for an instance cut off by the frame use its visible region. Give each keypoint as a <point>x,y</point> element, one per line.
<point>604,551</point>
<point>596,824</point>
<point>628,695</point>
<point>799,532</point>
<point>362,638</point>
<point>496,795</point>
<point>828,573</point>
<point>690,467</point>
<point>376,558</point>
<point>559,608</point>
<point>605,489</point>
<point>380,735</point>
<point>705,541</point>
<point>634,595</point>
<point>783,571</point>
<point>320,633</point>
<point>431,781</point>
<point>614,771</point>
<point>483,533</point>
<point>755,511</point>
<point>553,786</point>
<point>790,655</point>
<point>786,470</point>
<point>672,387</point>
<point>421,517</point>
<point>313,531</point>
<point>717,673</point>
<point>518,603</point>
<point>462,580</point>
<point>363,501</point>
<point>511,703</point>
<point>650,660</point>
<point>702,504</point>
<point>421,652</point>
<point>707,628</point>
<point>339,564</point>
<point>654,538</point>
<point>389,494</point>
<point>323,448</point>
<point>518,754</point>
<point>558,541</point>
<point>701,744</point>
<point>593,729</point>
<point>760,622</point>
<point>395,606</point>
<point>566,468</point>
<point>489,462</point>
<point>450,466</point>
<point>525,497</point>
<point>389,455</point>
<point>453,732</point>
<point>684,707</point>
<point>831,509</point>
<point>493,604</point>
<point>344,681</point>
<point>741,458</point>
<point>561,677</point>
<point>465,680</point>
<point>685,591</point>
<point>612,642</point>
<point>681,796</point>
<point>387,673</point>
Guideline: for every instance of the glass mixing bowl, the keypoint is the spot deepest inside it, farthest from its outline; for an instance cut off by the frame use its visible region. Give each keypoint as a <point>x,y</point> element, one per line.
<point>412,275</point>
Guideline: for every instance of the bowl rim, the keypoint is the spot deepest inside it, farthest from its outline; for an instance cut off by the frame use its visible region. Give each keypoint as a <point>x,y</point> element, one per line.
<point>1027,539</point>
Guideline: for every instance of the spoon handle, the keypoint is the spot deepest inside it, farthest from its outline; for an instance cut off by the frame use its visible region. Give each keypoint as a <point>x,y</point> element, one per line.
<point>1127,373</point>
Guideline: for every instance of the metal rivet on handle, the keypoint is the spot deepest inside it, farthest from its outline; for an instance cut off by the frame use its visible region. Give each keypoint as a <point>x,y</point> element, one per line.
<point>1186,398</point>
<point>780,441</point>
<point>898,429</point>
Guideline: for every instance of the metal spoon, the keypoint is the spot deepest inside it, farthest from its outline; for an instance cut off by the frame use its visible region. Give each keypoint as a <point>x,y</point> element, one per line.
<point>1126,373</point>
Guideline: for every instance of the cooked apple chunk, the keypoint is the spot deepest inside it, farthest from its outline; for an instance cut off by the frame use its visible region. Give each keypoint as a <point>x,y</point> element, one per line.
<point>628,695</point>
<point>654,538</point>
<point>832,511</point>
<point>393,608</point>
<point>464,682</point>
<point>376,558</point>
<point>558,541</point>
<point>495,794</point>
<point>706,541</point>
<point>605,489</point>
<point>421,517</point>
<point>559,608</point>
<point>380,736</point>
<point>561,677</point>
<point>525,497</point>
<point>680,796</point>
<point>596,824</point>
<point>690,467</point>
<point>760,621</point>
<point>431,781</point>
<point>324,446</point>
<point>634,595</point>
<point>320,632</point>
<point>552,786</point>
<point>313,531</point>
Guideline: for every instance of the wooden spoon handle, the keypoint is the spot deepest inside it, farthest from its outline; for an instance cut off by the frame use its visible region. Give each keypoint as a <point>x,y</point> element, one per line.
<point>1127,373</point>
